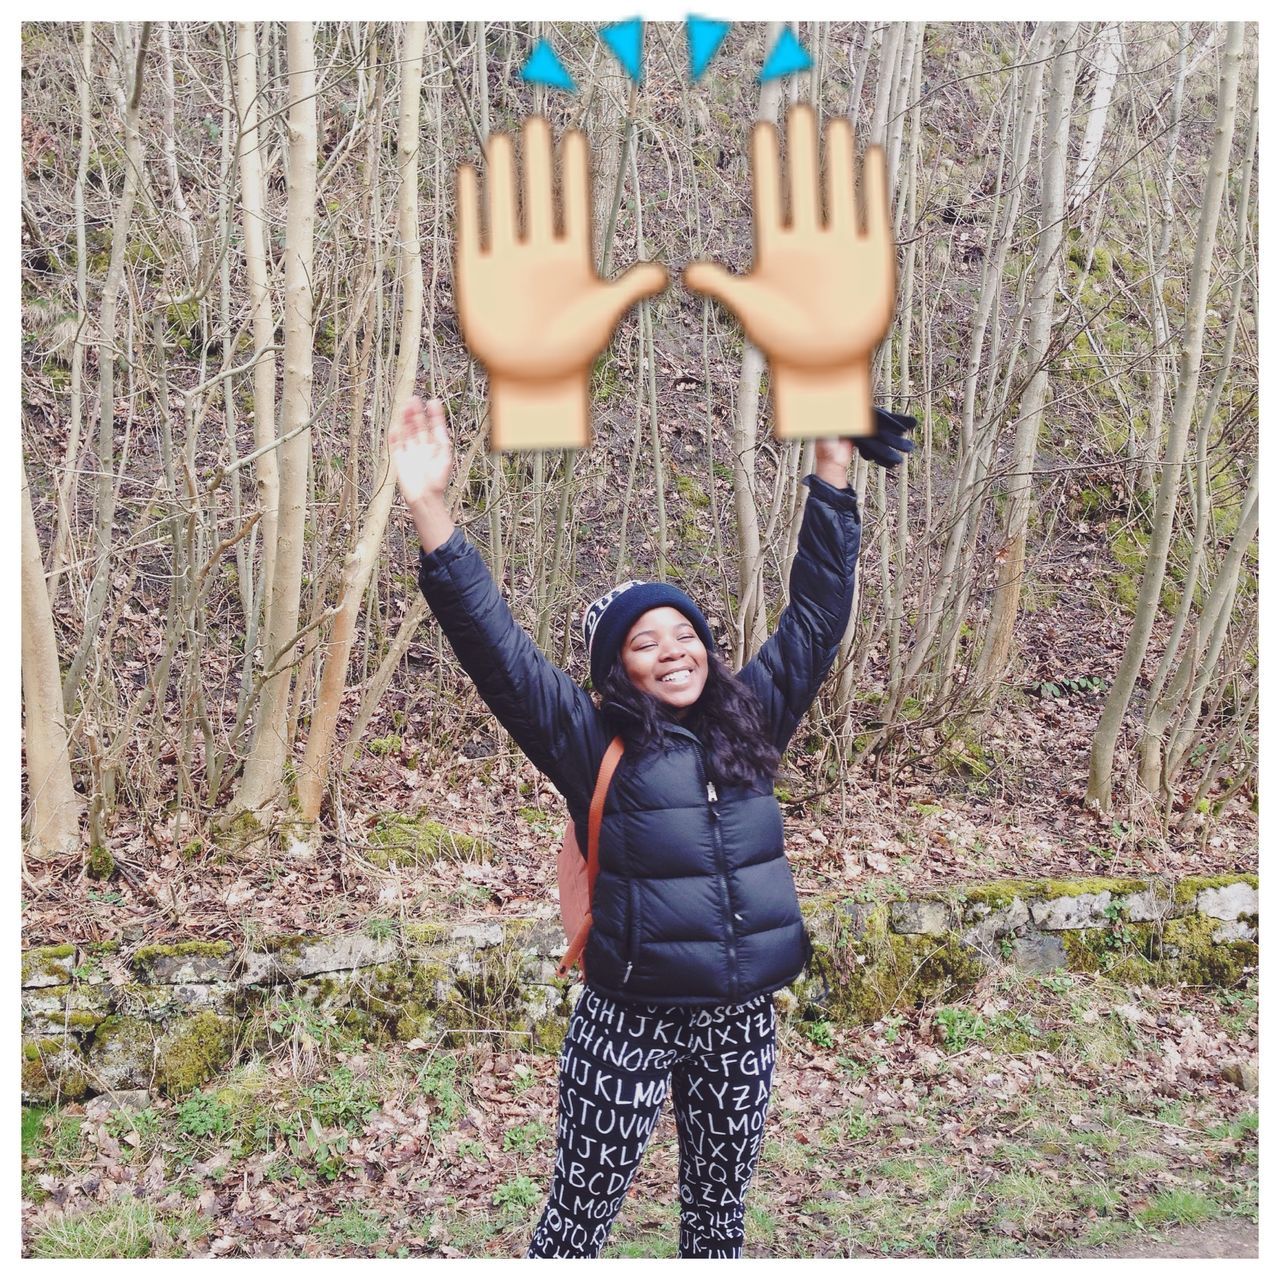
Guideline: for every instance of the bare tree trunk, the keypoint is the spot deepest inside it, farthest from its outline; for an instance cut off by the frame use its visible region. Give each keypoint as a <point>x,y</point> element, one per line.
<point>264,768</point>
<point>1148,443</point>
<point>54,822</point>
<point>1102,755</point>
<point>751,624</point>
<point>313,772</point>
<point>1012,556</point>
<point>186,230</point>
<point>1157,713</point>
<point>1200,658</point>
<point>1108,65</point>
<point>108,336</point>
<point>69,483</point>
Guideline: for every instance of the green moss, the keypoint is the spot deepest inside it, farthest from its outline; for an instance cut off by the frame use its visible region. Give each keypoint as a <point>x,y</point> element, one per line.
<point>1128,953</point>
<point>869,973</point>
<point>690,490</point>
<point>605,379</point>
<point>385,746</point>
<point>1090,884</point>
<point>44,960</point>
<point>324,340</point>
<point>1129,550</point>
<point>144,959</point>
<point>83,1019</point>
<point>57,372</point>
<point>1201,962</point>
<point>100,865</point>
<point>1000,893</point>
<point>417,841</point>
<point>52,1069</point>
<point>1095,500</point>
<point>290,944</point>
<point>963,754</point>
<point>548,1034</point>
<point>426,931</point>
<point>1189,888</point>
<point>195,1053</point>
<point>184,323</point>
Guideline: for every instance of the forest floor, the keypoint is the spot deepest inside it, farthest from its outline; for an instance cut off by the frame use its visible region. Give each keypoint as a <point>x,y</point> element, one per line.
<point>1002,799</point>
<point>1046,1116</point>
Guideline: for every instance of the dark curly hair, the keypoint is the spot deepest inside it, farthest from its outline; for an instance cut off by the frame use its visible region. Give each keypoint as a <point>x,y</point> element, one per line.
<point>727,718</point>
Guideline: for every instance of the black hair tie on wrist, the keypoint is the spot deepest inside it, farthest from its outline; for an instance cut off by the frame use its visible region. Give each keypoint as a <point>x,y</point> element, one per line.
<point>890,444</point>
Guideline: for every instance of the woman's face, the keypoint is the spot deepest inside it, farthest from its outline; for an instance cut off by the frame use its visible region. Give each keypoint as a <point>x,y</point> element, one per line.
<point>663,656</point>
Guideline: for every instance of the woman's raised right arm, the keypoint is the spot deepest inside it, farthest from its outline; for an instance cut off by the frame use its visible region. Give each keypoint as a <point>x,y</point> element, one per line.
<point>551,718</point>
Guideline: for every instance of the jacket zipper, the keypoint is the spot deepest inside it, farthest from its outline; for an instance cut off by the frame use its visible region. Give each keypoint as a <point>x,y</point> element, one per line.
<point>712,798</point>
<point>633,929</point>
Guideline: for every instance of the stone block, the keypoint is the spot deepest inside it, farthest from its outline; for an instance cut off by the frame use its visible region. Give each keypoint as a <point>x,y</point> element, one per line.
<point>478,936</point>
<point>1235,931</point>
<point>53,1069</point>
<point>123,1053</point>
<point>164,1000</point>
<point>1037,952</point>
<point>48,1010</point>
<point>1229,902</point>
<point>185,962</point>
<point>291,959</point>
<point>1083,911</point>
<point>991,925</point>
<point>128,1099</point>
<point>1244,1075</point>
<point>1149,904</point>
<point>924,917</point>
<point>48,966</point>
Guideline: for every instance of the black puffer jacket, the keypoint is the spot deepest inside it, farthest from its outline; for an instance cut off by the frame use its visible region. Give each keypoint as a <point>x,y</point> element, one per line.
<point>694,904</point>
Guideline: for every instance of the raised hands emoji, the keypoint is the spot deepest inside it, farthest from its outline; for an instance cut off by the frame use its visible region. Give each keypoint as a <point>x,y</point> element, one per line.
<point>820,294</point>
<point>531,306</point>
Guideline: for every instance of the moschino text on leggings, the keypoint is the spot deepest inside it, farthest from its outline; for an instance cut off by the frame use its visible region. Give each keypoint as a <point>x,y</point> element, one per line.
<point>617,1064</point>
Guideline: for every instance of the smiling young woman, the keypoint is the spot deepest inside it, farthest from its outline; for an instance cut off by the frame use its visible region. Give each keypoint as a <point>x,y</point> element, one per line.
<point>695,920</point>
<point>663,656</point>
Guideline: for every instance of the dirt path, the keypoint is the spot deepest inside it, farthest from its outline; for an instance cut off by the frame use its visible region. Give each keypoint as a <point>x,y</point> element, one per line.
<point>1225,1238</point>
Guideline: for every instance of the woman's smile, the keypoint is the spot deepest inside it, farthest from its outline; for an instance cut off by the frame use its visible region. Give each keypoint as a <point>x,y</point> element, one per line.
<point>663,656</point>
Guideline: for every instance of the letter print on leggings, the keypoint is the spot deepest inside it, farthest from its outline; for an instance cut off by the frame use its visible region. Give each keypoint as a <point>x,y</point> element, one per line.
<point>615,1069</point>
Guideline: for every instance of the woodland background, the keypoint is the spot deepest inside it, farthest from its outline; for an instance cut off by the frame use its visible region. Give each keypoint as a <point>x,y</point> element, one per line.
<point>239,720</point>
<point>236,264</point>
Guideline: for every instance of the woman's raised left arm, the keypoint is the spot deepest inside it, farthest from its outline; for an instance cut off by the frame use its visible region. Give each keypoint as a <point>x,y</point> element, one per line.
<point>792,664</point>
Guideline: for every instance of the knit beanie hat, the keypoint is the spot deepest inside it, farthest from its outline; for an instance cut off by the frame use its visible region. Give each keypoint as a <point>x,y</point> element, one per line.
<point>607,620</point>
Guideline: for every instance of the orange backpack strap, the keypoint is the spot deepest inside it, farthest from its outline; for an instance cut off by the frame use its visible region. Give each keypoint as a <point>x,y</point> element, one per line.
<point>610,762</point>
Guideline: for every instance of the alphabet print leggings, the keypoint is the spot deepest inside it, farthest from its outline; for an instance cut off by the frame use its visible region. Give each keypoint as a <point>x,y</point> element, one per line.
<point>617,1063</point>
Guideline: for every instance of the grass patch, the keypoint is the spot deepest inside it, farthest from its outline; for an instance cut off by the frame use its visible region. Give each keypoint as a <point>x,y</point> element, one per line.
<point>526,1139</point>
<point>356,1226</point>
<point>1234,1130</point>
<point>125,1228</point>
<point>32,1128</point>
<point>1178,1207</point>
<point>521,1192</point>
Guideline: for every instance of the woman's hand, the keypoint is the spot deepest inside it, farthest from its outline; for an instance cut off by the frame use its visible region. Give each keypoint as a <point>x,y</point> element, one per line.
<point>423,458</point>
<point>831,460</point>
<point>421,452</point>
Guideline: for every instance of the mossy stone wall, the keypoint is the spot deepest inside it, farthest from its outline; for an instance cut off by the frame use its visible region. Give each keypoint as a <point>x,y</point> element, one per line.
<point>171,1016</point>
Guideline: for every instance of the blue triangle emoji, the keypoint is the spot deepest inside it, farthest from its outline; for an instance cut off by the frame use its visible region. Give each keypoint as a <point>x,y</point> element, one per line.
<point>704,37</point>
<point>543,67</point>
<point>625,39</point>
<point>787,57</point>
